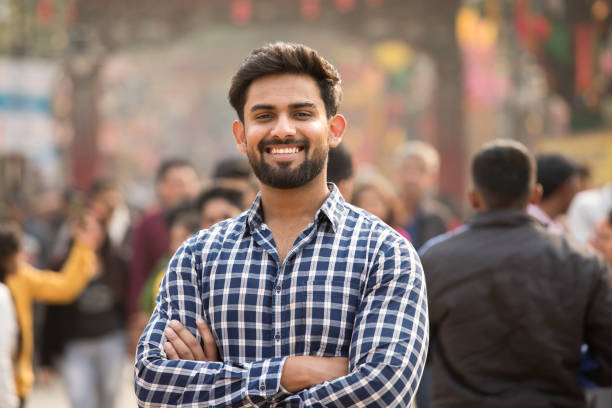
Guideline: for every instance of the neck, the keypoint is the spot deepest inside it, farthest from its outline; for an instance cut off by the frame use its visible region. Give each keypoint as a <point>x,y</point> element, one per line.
<point>551,208</point>
<point>295,203</point>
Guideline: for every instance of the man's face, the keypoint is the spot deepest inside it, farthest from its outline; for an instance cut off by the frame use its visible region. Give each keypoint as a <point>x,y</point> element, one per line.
<point>217,210</point>
<point>178,184</point>
<point>286,134</point>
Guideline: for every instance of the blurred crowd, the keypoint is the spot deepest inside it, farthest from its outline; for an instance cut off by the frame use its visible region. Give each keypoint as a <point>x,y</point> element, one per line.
<point>96,264</point>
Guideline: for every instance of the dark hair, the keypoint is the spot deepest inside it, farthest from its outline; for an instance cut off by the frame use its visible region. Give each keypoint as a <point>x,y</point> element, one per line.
<point>236,167</point>
<point>9,245</point>
<point>553,171</point>
<point>504,173</point>
<point>286,58</point>
<point>184,214</point>
<point>101,185</point>
<point>234,197</point>
<point>170,164</point>
<point>339,165</point>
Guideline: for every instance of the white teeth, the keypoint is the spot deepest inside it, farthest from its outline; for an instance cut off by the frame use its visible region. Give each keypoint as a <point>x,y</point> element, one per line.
<point>285,150</point>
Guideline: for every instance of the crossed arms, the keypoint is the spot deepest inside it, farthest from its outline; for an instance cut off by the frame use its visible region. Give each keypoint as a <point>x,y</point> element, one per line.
<point>385,361</point>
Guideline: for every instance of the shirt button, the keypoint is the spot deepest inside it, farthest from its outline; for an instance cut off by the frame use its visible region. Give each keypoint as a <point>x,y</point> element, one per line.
<point>278,289</point>
<point>262,387</point>
<point>277,337</point>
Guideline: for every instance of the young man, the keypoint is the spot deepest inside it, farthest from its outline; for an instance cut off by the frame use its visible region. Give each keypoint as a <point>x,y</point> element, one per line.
<point>510,303</point>
<point>309,301</point>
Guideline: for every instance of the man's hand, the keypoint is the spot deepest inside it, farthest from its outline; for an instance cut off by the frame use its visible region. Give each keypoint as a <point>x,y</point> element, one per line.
<point>301,372</point>
<point>182,345</point>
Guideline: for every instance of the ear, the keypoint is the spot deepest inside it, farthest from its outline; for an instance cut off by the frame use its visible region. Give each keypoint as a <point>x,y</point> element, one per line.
<point>239,136</point>
<point>536,195</point>
<point>476,200</point>
<point>337,125</point>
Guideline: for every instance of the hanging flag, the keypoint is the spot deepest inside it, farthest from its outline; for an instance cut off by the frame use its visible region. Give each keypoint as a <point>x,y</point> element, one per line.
<point>242,11</point>
<point>310,9</point>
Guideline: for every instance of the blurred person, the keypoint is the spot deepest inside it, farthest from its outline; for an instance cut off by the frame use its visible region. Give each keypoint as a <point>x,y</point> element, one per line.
<point>176,182</point>
<point>588,208</point>
<point>235,173</point>
<point>603,238</point>
<point>375,194</point>
<point>340,171</point>
<point>9,252</point>
<point>28,284</point>
<point>183,221</point>
<point>417,171</point>
<point>89,333</point>
<point>312,301</point>
<point>217,204</point>
<point>558,177</point>
<point>511,304</point>
<point>586,177</point>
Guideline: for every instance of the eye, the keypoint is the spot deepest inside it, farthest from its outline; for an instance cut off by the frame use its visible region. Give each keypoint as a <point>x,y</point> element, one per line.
<point>302,114</point>
<point>263,116</point>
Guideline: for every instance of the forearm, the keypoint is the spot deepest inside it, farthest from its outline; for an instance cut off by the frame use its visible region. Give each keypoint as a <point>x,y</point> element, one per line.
<point>161,382</point>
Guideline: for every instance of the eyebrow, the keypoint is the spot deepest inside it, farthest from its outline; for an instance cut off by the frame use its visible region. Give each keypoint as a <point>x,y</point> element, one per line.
<point>298,105</point>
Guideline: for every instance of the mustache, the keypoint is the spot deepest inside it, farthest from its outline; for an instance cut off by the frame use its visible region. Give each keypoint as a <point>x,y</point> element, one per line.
<point>275,141</point>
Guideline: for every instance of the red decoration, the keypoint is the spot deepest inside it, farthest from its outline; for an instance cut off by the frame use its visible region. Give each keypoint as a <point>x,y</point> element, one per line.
<point>310,9</point>
<point>583,50</point>
<point>344,6</point>
<point>45,11</point>
<point>242,11</point>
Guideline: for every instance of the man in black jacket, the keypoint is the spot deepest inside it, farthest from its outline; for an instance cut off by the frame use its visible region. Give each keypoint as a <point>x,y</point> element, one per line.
<point>511,304</point>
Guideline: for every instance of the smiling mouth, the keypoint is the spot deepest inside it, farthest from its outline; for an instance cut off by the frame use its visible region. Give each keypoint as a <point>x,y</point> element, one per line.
<point>283,150</point>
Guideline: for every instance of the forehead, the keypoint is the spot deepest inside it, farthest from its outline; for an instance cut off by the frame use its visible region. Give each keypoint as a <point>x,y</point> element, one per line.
<point>278,90</point>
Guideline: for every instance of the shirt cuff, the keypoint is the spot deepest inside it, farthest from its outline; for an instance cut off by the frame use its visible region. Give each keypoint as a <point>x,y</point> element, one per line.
<point>265,376</point>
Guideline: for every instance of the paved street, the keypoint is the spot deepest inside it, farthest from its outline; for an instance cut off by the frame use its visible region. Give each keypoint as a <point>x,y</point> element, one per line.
<point>54,396</point>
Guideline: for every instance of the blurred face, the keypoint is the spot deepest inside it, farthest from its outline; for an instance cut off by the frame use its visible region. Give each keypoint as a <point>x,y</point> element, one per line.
<point>414,179</point>
<point>603,240</point>
<point>572,187</point>
<point>217,210</point>
<point>177,185</point>
<point>286,134</point>
<point>370,200</point>
<point>11,263</point>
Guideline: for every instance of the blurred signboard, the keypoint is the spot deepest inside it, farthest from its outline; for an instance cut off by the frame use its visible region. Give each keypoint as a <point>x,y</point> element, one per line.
<point>26,121</point>
<point>593,149</point>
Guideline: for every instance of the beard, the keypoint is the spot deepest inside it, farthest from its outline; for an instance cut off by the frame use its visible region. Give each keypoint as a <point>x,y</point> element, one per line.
<point>283,177</point>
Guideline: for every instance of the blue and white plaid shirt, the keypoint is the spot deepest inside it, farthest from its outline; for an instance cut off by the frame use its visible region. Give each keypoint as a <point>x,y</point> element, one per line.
<point>350,286</point>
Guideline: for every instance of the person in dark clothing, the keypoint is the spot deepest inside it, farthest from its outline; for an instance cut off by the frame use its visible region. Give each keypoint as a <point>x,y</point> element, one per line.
<point>510,303</point>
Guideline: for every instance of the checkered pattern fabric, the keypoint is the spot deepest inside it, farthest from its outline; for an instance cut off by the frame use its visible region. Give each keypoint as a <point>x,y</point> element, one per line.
<point>350,286</point>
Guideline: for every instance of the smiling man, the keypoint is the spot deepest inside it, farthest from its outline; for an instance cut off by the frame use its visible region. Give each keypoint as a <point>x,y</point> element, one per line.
<point>303,300</point>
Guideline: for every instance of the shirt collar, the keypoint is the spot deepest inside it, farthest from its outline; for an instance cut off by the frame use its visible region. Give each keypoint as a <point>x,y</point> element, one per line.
<point>333,209</point>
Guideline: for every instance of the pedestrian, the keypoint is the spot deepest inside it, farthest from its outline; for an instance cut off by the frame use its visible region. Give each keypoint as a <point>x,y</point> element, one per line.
<point>303,300</point>
<point>510,303</point>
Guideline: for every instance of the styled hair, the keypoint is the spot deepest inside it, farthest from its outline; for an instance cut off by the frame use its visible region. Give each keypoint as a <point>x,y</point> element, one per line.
<point>170,164</point>
<point>233,196</point>
<point>503,172</point>
<point>9,245</point>
<point>423,151</point>
<point>339,165</point>
<point>286,58</point>
<point>554,170</point>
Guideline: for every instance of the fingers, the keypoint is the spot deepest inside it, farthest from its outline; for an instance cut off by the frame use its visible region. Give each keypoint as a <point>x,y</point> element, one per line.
<point>184,343</point>
<point>210,346</point>
<point>170,351</point>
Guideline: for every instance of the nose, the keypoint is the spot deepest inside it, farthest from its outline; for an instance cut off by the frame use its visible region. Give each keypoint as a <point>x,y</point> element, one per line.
<point>283,126</point>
